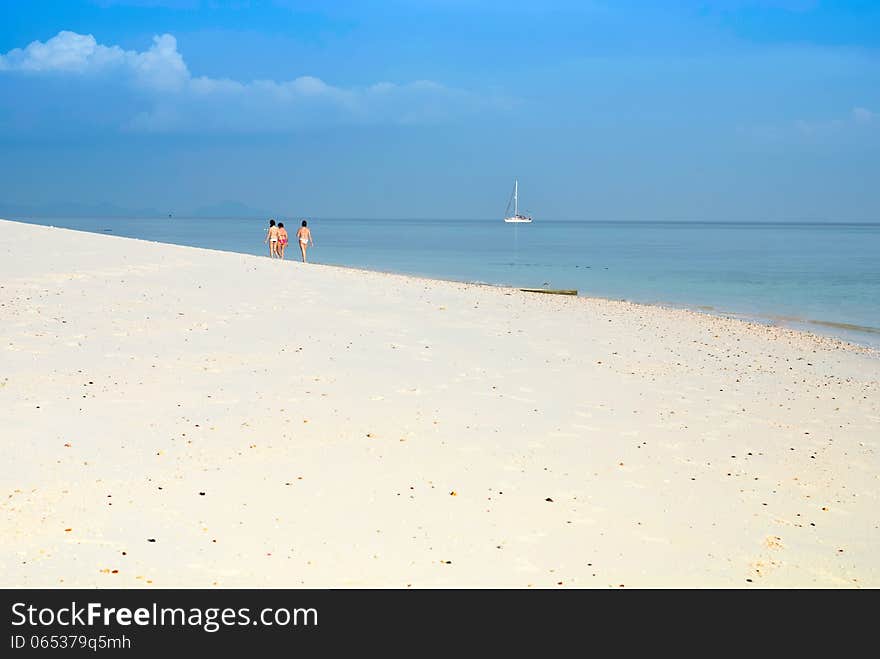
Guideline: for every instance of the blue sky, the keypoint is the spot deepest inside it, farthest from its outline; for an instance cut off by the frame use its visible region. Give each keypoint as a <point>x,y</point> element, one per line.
<point>714,110</point>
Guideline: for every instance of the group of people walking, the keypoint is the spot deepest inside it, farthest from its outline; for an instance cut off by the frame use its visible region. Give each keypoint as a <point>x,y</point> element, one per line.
<point>277,239</point>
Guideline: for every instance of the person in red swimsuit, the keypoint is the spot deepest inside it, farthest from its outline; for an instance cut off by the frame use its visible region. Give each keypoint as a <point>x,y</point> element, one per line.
<point>282,240</point>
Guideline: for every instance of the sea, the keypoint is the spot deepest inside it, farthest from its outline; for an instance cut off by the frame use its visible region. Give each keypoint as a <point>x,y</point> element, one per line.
<point>819,276</point>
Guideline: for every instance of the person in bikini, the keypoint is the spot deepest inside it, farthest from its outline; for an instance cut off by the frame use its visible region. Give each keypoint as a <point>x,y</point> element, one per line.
<point>272,239</point>
<point>305,239</point>
<point>282,240</point>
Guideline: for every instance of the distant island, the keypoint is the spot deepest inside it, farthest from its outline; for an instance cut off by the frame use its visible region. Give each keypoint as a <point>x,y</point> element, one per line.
<point>105,209</point>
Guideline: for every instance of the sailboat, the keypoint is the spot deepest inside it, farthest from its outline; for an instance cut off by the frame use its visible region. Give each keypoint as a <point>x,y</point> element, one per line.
<point>516,217</point>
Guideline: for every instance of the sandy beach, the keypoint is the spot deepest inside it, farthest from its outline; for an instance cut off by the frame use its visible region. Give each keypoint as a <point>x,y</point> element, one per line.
<point>174,416</point>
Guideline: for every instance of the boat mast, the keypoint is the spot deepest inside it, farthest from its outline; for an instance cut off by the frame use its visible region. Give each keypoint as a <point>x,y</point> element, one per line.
<point>515,194</point>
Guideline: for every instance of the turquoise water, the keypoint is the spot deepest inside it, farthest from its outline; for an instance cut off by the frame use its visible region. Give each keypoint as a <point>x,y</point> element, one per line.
<point>810,275</point>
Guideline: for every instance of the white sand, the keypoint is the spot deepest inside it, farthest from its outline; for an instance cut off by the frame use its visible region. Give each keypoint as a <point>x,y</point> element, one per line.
<point>357,429</point>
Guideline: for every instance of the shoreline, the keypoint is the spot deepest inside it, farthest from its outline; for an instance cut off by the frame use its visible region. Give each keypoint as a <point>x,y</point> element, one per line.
<point>851,332</point>
<point>187,417</point>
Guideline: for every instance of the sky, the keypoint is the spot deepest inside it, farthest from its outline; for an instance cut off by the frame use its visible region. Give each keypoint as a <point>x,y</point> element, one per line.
<point>719,110</point>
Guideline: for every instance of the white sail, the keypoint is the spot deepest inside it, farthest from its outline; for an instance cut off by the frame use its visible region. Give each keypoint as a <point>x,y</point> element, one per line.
<point>515,197</point>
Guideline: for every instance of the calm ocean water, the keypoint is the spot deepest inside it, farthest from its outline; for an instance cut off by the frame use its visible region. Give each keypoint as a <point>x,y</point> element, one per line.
<point>820,276</point>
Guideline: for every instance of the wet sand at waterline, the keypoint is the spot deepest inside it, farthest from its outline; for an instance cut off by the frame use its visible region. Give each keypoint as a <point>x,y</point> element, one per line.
<point>181,417</point>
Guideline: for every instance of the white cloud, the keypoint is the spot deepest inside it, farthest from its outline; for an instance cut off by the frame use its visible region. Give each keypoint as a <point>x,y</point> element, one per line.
<point>67,51</point>
<point>160,67</point>
<point>170,98</point>
<point>836,125</point>
<point>863,116</point>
